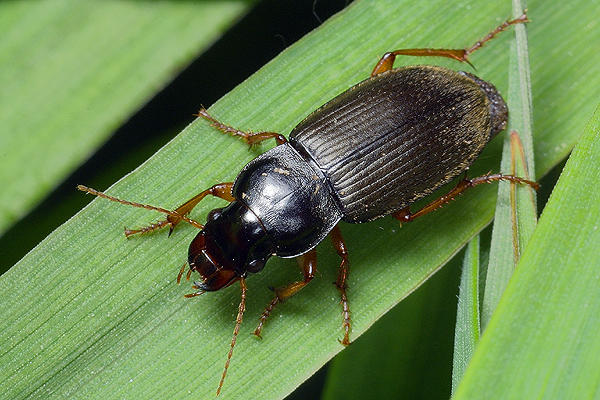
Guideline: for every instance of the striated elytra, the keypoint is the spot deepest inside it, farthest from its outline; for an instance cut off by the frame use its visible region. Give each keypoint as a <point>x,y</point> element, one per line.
<point>370,152</point>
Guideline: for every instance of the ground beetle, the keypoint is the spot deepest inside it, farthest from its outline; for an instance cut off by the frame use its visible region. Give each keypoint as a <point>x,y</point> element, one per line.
<point>370,152</point>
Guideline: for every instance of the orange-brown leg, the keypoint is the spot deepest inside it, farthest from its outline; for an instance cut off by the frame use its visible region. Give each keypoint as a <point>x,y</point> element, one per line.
<point>170,213</point>
<point>340,283</point>
<point>405,215</point>
<point>309,267</point>
<point>220,190</point>
<point>387,61</point>
<point>251,138</point>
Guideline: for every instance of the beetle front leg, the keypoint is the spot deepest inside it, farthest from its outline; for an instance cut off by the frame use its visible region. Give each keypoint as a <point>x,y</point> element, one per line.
<point>405,214</point>
<point>309,267</point>
<point>220,190</point>
<point>340,283</point>
<point>386,62</point>
<point>251,138</point>
<point>174,214</point>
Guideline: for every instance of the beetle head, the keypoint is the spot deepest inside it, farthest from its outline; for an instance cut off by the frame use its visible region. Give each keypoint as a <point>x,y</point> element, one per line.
<point>232,243</point>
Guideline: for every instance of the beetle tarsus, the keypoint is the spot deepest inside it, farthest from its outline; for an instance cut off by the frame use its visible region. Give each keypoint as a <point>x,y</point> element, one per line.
<point>264,316</point>
<point>386,62</point>
<point>522,19</point>
<point>147,229</point>
<point>309,268</point>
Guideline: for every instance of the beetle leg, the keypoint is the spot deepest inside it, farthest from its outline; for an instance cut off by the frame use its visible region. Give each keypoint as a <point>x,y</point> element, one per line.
<point>220,190</point>
<point>251,138</point>
<point>340,283</point>
<point>405,215</point>
<point>173,214</point>
<point>386,62</point>
<point>309,267</point>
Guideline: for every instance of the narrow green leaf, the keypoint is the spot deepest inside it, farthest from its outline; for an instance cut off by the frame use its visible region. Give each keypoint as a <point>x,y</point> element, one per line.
<point>90,314</point>
<point>543,340</point>
<point>73,71</point>
<point>467,316</point>
<point>521,121</point>
<point>516,213</point>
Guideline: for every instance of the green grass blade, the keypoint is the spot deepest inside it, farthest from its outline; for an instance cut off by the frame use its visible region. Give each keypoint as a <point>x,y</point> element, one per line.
<point>543,340</point>
<point>74,71</point>
<point>467,315</point>
<point>516,214</point>
<point>90,314</point>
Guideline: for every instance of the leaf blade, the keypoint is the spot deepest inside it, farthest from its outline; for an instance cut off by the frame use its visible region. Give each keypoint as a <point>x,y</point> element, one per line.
<point>467,330</point>
<point>527,351</point>
<point>75,71</point>
<point>516,215</point>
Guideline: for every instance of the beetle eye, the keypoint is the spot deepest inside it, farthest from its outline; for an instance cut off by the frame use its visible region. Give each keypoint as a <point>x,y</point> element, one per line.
<point>214,214</point>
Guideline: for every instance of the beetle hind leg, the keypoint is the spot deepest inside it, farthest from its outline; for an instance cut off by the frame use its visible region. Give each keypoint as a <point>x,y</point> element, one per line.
<point>405,215</point>
<point>386,62</point>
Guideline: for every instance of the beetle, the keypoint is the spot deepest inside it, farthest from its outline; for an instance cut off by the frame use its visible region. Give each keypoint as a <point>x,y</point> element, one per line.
<point>372,151</point>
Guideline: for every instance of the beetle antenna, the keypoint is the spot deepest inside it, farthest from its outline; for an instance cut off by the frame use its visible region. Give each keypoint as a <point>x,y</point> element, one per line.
<point>236,330</point>
<point>139,205</point>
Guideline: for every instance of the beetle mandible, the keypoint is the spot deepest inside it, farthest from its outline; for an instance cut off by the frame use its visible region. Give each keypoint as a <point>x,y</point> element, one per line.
<point>370,152</point>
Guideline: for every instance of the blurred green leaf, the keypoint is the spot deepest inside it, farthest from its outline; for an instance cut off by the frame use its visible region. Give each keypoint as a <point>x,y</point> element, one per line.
<point>468,329</point>
<point>542,341</point>
<point>90,314</point>
<point>74,71</point>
